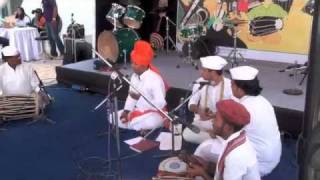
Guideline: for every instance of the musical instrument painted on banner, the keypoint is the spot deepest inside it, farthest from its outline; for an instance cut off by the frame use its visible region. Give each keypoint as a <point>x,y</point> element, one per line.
<point>172,168</point>
<point>133,17</point>
<point>115,14</point>
<point>19,107</point>
<point>196,12</point>
<point>265,25</point>
<point>309,7</point>
<point>117,46</point>
<point>191,32</point>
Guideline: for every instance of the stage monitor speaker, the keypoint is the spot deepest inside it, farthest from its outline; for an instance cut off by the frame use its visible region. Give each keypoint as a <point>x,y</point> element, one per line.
<point>76,50</point>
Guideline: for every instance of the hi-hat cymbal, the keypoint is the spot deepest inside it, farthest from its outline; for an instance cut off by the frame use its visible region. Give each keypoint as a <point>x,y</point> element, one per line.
<point>130,2</point>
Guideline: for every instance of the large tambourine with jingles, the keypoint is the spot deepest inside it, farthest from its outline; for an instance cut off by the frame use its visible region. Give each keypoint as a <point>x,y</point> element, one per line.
<point>172,168</point>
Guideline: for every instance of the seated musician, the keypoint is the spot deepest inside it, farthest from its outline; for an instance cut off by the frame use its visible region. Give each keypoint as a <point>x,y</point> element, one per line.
<point>138,114</point>
<point>204,99</point>
<point>16,77</point>
<point>238,159</point>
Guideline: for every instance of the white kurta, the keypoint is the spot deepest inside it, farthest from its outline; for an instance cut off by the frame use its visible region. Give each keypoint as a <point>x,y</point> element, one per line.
<point>207,97</point>
<point>23,22</point>
<point>19,81</point>
<point>263,132</point>
<point>241,163</point>
<point>152,87</point>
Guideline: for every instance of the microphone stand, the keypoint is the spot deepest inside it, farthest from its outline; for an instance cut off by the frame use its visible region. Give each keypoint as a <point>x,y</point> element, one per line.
<point>177,120</point>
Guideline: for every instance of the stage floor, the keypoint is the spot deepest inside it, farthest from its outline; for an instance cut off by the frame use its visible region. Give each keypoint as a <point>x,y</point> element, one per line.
<point>272,81</point>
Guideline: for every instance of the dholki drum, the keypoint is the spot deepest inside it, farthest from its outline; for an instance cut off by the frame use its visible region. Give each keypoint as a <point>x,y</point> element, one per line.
<point>118,45</point>
<point>133,17</point>
<point>115,14</point>
<point>172,169</point>
<point>191,32</point>
<point>18,107</point>
<point>265,25</point>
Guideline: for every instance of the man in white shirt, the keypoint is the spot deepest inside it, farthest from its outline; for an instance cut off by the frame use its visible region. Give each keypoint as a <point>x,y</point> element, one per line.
<point>238,159</point>
<point>138,114</point>
<point>263,130</point>
<point>16,78</point>
<point>204,97</point>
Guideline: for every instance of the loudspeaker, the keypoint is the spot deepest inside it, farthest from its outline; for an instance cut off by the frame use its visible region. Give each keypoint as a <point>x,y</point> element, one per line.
<point>76,50</point>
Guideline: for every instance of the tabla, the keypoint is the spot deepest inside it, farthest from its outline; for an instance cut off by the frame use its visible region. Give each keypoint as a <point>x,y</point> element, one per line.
<point>172,168</point>
<point>265,25</point>
<point>19,107</point>
<point>133,17</point>
<point>191,32</point>
<point>115,14</point>
<point>117,45</point>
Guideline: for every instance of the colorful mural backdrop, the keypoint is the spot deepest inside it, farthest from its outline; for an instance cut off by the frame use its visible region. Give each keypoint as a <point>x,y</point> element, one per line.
<point>268,25</point>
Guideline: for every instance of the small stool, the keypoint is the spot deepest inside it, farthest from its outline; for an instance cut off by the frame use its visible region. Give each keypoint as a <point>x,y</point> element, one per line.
<point>43,38</point>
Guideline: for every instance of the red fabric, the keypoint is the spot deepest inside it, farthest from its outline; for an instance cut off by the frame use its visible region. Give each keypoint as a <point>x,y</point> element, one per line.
<point>233,144</point>
<point>243,5</point>
<point>233,112</point>
<point>142,53</point>
<point>137,113</point>
<point>156,70</point>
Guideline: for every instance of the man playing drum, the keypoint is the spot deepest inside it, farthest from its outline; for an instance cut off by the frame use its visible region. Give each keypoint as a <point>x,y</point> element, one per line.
<point>205,97</point>
<point>238,158</point>
<point>138,114</point>
<point>16,78</point>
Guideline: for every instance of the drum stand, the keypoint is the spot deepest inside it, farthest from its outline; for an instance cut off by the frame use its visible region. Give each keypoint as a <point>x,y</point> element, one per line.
<point>294,91</point>
<point>167,38</point>
<point>189,59</point>
<point>232,57</point>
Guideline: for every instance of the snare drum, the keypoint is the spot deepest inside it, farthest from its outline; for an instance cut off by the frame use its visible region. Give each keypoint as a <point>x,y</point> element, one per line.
<point>115,14</point>
<point>172,168</point>
<point>118,45</point>
<point>133,17</point>
<point>18,107</point>
<point>191,32</point>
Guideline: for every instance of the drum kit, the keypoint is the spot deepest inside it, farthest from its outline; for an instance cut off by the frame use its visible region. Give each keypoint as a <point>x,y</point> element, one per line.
<point>116,45</point>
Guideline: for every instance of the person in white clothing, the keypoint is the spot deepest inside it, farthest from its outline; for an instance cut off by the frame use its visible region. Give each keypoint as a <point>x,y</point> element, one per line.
<point>22,19</point>
<point>238,159</point>
<point>205,97</point>
<point>138,114</point>
<point>16,78</point>
<point>263,130</point>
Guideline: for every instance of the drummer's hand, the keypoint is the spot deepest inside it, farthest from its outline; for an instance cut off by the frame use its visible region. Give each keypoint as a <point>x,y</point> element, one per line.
<point>134,95</point>
<point>124,116</point>
<point>195,170</point>
<point>203,113</point>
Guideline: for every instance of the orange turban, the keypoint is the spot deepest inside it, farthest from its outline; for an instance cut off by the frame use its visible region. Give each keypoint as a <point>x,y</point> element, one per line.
<point>142,53</point>
<point>233,112</point>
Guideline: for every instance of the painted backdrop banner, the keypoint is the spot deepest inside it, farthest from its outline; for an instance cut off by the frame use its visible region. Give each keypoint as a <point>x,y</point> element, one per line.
<point>267,25</point>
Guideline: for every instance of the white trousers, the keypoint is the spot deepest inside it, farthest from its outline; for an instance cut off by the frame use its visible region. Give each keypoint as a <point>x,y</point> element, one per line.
<point>146,121</point>
<point>198,138</point>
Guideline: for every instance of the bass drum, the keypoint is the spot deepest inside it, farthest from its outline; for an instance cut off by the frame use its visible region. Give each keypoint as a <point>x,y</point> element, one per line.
<point>117,46</point>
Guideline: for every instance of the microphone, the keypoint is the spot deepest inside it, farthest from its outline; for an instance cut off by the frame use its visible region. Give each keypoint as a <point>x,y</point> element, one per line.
<point>192,127</point>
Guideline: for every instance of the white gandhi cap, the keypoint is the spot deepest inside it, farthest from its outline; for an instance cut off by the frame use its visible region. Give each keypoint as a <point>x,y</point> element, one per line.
<point>244,73</point>
<point>10,51</point>
<point>213,62</point>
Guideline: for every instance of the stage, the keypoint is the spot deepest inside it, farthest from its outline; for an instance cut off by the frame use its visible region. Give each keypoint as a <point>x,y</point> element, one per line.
<point>288,107</point>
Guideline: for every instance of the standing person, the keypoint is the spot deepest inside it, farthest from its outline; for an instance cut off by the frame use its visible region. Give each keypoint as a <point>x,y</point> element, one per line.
<point>238,159</point>
<point>53,24</point>
<point>263,130</point>
<point>138,114</point>
<point>203,101</point>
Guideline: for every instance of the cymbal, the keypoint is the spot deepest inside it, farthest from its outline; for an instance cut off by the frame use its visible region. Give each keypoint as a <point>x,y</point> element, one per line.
<point>130,2</point>
<point>107,46</point>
